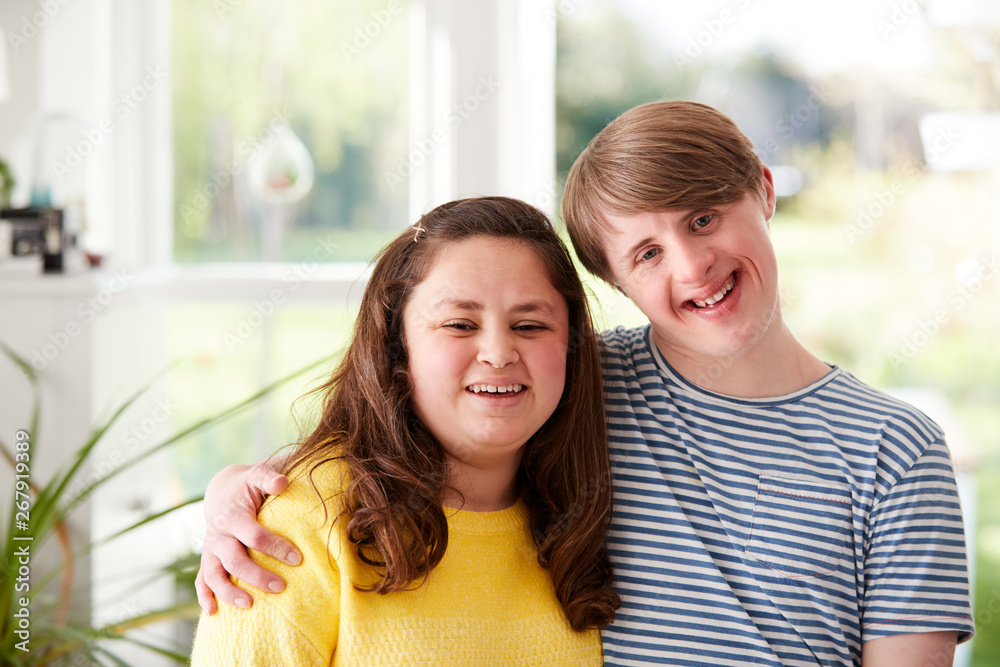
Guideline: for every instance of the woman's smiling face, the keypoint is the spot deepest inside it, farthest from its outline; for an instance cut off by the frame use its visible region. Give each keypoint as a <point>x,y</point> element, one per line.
<point>486,335</point>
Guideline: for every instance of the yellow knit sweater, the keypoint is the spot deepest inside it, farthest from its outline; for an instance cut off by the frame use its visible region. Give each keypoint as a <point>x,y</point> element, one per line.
<point>487,603</point>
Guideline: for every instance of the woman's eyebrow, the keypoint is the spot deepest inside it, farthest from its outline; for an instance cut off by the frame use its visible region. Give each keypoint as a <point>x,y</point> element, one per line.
<point>460,304</point>
<point>542,306</point>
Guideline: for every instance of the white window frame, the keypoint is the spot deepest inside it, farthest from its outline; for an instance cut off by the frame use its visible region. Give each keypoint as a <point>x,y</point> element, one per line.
<point>506,145</point>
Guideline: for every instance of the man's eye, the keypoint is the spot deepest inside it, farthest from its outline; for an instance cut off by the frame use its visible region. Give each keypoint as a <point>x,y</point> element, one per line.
<point>702,221</point>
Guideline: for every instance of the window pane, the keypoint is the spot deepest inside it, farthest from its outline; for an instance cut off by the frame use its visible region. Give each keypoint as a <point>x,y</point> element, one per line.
<point>873,276</point>
<point>886,232</point>
<point>228,351</point>
<point>334,73</point>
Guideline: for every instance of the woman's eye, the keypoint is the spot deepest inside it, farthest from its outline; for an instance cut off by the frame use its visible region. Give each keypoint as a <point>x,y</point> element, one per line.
<point>459,326</point>
<point>649,254</point>
<point>530,327</point>
<point>702,221</point>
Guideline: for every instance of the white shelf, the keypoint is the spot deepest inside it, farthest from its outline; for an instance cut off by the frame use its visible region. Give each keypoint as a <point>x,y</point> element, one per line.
<point>204,282</point>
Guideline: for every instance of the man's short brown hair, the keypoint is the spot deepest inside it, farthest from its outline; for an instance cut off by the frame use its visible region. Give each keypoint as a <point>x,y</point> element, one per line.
<point>673,155</point>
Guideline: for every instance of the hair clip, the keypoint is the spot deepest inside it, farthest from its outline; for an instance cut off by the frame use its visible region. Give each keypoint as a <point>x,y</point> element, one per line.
<point>419,228</point>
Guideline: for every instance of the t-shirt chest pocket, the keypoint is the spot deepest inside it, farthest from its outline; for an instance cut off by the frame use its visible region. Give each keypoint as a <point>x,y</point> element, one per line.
<point>800,528</point>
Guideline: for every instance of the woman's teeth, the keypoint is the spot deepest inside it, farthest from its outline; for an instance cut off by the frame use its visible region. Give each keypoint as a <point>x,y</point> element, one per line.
<point>494,389</point>
<point>715,298</point>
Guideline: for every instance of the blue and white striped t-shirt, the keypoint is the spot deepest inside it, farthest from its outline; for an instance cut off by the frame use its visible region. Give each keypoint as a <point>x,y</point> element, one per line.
<point>781,531</point>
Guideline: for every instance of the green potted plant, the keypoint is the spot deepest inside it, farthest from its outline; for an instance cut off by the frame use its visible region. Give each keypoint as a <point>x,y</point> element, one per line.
<point>6,184</point>
<point>54,634</point>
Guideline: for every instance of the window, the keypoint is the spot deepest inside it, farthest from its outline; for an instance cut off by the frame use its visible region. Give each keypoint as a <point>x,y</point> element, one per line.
<point>288,119</point>
<point>885,230</point>
<point>398,105</point>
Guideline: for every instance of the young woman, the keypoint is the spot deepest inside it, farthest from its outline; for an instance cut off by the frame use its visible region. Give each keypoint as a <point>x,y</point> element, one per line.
<point>452,504</point>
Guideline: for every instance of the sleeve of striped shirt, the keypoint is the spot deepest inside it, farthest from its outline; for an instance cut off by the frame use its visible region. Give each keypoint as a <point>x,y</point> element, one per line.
<point>915,573</point>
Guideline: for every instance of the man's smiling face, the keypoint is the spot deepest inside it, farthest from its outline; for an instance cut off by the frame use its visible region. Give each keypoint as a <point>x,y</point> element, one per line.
<point>706,279</point>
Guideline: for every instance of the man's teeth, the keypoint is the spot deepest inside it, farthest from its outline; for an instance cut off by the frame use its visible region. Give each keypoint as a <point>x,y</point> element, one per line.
<point>494,389</point>
<point>715,298</point>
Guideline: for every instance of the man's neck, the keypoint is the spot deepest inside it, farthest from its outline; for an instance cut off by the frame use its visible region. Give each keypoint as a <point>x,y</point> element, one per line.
<point>775,367</point>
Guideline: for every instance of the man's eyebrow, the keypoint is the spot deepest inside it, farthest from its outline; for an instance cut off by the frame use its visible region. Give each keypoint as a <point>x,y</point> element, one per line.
<point>634,249</point>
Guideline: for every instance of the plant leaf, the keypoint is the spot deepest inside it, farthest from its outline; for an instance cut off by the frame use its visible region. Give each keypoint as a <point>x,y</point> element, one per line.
<point>54,491</point>
<point>152,517</point>
<point>187,609</point>
<point>206,422</point>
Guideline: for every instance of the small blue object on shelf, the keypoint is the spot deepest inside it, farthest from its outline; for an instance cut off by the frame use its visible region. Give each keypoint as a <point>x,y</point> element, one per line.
<point>41,195</point>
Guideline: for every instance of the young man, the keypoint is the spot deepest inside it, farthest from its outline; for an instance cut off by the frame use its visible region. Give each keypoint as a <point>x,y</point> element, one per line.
<point>769,509</point>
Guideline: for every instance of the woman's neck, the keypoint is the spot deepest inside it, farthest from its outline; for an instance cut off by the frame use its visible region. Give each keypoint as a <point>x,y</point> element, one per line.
<point>482,489</point>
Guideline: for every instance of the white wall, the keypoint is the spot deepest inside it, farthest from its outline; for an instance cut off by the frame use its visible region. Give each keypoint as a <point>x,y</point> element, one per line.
<point>22,65</point>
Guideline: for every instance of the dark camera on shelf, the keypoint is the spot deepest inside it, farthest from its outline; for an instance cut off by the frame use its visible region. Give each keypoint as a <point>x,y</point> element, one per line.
<point>36,230</point>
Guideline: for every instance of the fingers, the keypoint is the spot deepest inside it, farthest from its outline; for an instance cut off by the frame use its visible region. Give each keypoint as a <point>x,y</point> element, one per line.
<point>246,529</point>
<point>214,577</point>
<point>206,599</point>
<point>232,500</point>
<point>234,560</point>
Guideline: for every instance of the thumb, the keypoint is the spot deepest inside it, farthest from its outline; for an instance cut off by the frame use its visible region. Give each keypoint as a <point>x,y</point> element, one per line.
<point>266,479</point>
<point>274,483</point>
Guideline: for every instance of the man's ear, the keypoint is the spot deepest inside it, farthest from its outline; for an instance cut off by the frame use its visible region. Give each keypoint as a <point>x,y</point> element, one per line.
<point>769,197</point>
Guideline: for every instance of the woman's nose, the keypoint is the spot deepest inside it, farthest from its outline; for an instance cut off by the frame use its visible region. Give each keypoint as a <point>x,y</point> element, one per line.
<point>498,349</point>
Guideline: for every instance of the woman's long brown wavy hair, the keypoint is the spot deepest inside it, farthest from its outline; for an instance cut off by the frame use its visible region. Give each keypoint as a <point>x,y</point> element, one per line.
<point>396,470</point>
